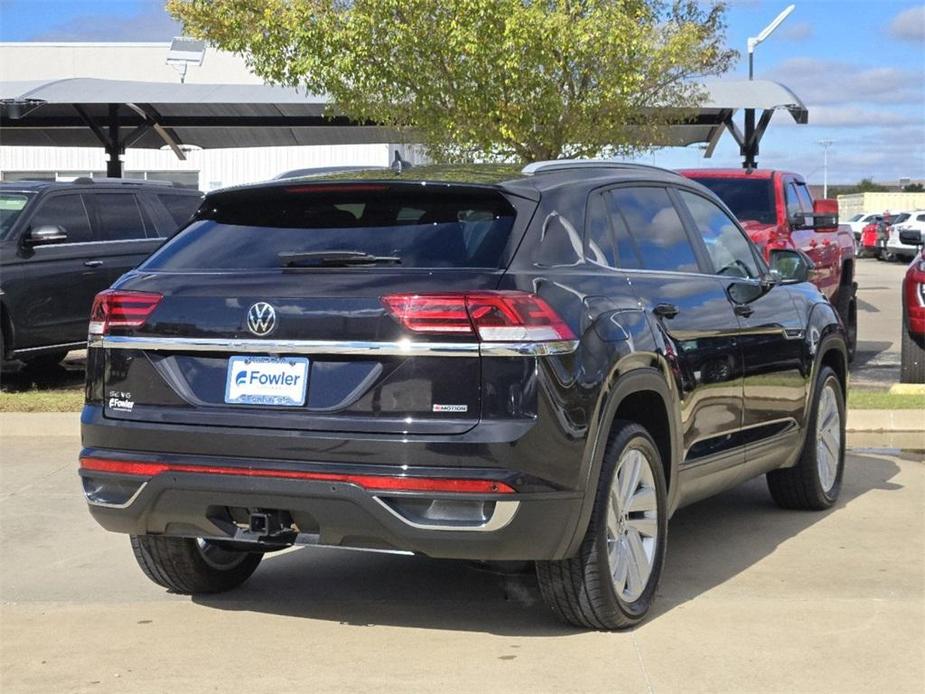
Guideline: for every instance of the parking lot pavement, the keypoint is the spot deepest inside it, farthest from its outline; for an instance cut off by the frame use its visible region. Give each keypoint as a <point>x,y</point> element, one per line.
<point>753,599</point>
<point>879,322</point>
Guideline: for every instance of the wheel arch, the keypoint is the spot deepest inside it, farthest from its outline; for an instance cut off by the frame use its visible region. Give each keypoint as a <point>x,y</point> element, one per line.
<point>643,396</point>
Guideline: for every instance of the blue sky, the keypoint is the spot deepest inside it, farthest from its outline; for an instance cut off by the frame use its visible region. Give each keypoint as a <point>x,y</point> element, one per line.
<point>859,65</point>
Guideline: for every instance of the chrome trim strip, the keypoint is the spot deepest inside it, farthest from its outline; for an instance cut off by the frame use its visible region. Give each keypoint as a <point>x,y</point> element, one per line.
<point>125,504</point>
<point>405,348</point>
<point>503,514</point>
<point>50,348</point>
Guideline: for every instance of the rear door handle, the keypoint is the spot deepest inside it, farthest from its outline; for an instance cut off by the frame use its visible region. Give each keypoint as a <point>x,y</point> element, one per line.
<point>666,310</point>
<point>92,263</point>
<point>743,310</point>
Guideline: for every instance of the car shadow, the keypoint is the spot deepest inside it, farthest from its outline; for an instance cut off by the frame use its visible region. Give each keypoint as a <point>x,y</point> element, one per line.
<point>709,543</point>
<point>18,377</point>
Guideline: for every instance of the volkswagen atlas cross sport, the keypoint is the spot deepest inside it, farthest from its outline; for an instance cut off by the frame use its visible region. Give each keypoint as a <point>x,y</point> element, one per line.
<point>476,363</point>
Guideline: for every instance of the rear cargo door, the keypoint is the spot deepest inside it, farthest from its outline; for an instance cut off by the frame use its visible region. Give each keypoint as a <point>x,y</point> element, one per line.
<point>271,311</point>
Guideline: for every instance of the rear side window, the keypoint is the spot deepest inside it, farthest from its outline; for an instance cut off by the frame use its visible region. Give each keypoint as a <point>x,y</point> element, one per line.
<point>120,217</point>
<point>655,228</point>
<point>180,207</point>
<point>421,226</point>
<point>67,212</point>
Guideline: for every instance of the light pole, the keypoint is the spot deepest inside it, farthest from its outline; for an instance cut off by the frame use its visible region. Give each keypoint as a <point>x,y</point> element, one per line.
<point>825,166</point>
<point>753,41</point>
<point>750,149</point>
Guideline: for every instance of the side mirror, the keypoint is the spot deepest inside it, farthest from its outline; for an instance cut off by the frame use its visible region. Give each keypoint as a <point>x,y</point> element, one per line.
<point>45,234</point>
<point>801,221</point>
<point>791,266</point>
<point>911,237</point>
<point>825,215</point>
<point>770,280</point>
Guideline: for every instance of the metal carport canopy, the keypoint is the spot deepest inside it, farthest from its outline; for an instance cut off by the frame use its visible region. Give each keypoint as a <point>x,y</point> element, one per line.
<point>83,112</point>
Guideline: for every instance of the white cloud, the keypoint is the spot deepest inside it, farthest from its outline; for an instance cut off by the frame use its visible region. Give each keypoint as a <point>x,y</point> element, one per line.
<point>151,23</point>
<point>909,25</point>
<point>852,116</point>
<point>797,31</point>
<point>833,82</point>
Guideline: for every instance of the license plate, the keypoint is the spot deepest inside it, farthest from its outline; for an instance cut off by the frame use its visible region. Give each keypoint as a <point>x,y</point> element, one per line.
<point>281,382</point>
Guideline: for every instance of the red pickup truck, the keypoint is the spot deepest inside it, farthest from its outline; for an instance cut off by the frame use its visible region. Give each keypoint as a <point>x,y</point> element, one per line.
<point>778,211</point>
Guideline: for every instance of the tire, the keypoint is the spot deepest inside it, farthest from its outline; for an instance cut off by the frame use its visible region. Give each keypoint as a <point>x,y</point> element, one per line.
<point>847,307</point>
<point>45,361</point>
<point>190,566</point>
<point>583,590</point>
<point>815,481</point>
<point>912,359</point>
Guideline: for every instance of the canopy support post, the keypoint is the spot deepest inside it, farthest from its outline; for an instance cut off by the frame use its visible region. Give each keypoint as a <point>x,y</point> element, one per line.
<point>114,149</point>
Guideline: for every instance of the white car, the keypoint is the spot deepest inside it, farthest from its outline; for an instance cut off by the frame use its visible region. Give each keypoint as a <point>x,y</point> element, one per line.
<point>861,220</point>
<point>896,248</point>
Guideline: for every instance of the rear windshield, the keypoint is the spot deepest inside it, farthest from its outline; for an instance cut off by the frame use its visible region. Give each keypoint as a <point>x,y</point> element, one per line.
<point>750,199</point>
<point>11,206</point>
<point>248,230</point>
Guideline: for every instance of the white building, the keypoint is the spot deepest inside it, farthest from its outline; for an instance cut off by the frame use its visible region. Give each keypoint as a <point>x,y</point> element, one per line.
<point>862,203</point>
<point>203,169</point>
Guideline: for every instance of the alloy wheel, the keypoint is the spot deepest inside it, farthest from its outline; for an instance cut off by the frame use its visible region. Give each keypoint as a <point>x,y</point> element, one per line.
<point>632,525</point>
<point>828,438</point>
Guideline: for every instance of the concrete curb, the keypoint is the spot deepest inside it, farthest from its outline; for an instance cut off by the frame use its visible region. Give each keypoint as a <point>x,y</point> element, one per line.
<point>886,420</point>
<point>68,423</point>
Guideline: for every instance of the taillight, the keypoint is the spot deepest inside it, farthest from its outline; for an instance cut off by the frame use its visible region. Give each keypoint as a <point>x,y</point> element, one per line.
<point>493,316</point>
<point>118,309</point>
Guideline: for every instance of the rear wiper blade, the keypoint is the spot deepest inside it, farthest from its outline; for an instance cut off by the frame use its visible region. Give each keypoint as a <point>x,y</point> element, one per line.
<point>334,259</point>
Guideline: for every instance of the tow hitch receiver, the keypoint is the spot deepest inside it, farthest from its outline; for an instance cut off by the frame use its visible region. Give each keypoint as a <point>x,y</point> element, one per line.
<point>270,526</point>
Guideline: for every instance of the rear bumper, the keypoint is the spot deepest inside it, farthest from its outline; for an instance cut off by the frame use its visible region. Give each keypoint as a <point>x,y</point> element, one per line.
<point>536,521</point>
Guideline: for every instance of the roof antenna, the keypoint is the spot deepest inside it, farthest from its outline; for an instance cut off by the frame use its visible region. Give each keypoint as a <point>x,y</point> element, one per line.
<point>398,164</point>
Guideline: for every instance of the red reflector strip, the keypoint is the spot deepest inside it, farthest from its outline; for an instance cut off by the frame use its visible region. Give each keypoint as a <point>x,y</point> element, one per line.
<point>369,482</point>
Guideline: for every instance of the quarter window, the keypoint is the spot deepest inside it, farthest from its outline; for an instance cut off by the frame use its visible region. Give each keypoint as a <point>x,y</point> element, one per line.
<point>654,228</point>
<point>729,250</point>
<point>67,212</point>
<point>180,207</point>
<point>600,243</point>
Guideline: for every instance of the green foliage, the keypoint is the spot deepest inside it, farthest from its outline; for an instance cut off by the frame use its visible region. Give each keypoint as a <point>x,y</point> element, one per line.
<point>489,79</point>
<point>914,188</point>
<point>866,185</point>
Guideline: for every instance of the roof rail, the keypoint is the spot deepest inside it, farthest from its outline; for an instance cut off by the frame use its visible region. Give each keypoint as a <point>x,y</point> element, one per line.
<point>567,164</point>
<point>123,181</point>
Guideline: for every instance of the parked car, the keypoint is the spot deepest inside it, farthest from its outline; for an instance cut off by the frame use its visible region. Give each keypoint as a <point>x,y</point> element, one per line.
<point>498,365</point>
<point>875,236</point>
<point>913,221</point>
<point>778,211</point>
<point>912,365</point>
<point>61,243</point>
<point>862,219</point>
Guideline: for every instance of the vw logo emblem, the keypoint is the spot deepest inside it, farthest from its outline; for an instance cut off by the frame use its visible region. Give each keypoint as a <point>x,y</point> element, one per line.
<point>261,319</point>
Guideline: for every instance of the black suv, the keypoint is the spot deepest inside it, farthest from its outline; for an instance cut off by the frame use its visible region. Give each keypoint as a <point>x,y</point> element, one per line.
<point>477,363</point>
<point>61,243</point>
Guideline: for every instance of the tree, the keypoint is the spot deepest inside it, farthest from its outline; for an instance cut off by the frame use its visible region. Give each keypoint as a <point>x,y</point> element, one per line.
<point>914,188</point>
<point>495,79</point>
<point>867,185</point>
